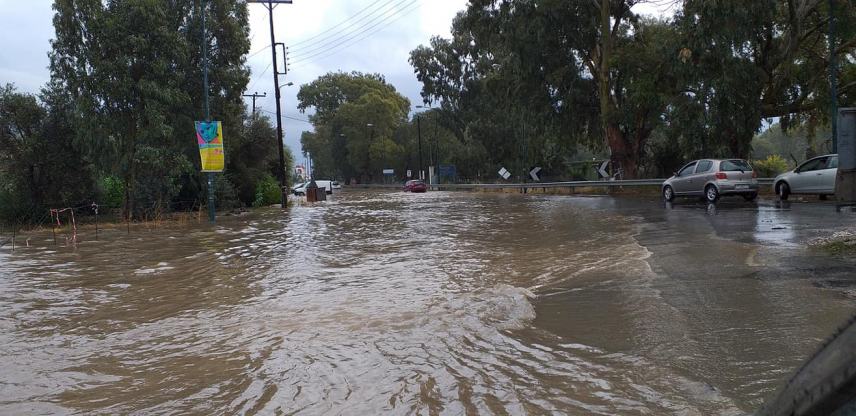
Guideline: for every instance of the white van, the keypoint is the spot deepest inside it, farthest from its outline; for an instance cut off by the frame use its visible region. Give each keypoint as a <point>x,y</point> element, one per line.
<point>300,190</point>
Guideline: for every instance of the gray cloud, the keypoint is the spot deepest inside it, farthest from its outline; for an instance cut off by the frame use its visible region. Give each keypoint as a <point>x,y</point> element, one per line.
<point>26,29</point>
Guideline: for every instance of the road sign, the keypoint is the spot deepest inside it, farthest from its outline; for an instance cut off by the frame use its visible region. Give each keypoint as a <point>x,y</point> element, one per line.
<point>504,173</point>
<point>389,172</point>
<point>409,173</point>
<point>533,173</point>
<point>448,171</point>
<point>602,169</point>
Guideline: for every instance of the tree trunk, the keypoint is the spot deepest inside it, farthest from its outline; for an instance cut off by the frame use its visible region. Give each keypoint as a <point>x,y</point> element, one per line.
<point>625,151</point>
<point>130,176</point>
<point>603,70</point>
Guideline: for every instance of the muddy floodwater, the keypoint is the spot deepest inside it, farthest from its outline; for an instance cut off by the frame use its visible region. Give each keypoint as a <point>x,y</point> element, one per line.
<point>437,303</point>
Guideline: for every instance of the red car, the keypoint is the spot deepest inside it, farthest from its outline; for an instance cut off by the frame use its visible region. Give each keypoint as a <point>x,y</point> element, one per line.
<point>415,185</point>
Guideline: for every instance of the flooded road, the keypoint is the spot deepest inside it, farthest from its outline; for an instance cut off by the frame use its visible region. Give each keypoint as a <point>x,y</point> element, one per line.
<point>437,303</point>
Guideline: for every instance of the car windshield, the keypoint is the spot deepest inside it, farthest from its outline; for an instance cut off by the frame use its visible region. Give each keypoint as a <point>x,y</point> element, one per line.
<point>732,165</point>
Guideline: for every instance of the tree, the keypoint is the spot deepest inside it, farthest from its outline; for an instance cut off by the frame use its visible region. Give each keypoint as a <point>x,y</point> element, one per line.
<point>762,60</point>
<point>133,71</point>
<point>356,116</point>
<point>40,166</point>
<point>549,62</point>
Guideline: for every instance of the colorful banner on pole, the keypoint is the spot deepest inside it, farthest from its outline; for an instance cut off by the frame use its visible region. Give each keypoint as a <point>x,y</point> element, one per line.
<point>209,135</point>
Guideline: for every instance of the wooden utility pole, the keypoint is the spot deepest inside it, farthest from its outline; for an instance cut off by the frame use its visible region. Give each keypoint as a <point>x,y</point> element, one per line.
<point>254,96</point>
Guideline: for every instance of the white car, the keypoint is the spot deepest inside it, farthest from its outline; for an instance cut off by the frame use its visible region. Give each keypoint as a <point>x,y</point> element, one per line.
<point>298,186</point>
<point>814,176</point>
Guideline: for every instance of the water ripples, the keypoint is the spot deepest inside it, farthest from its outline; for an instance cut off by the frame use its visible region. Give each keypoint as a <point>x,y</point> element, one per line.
<point>370,303</point>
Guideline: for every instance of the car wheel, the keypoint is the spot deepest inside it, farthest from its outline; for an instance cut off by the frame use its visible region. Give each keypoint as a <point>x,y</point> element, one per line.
<point>711,194</point>
<point>750,197</point>
<point>668,194</point>
<point>783,191</point>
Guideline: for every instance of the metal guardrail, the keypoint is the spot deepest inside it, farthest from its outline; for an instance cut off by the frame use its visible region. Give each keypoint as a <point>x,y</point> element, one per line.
<point>569,184</point>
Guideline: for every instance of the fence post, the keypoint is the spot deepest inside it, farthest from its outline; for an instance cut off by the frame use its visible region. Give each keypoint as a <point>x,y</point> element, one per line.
<point>95,206</point>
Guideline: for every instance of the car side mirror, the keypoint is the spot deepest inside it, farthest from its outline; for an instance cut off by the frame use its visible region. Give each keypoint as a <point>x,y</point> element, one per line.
<point>675,174</point>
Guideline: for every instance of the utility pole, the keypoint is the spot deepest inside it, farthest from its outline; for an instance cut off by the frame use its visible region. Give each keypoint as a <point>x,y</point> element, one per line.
<point>419,134</point>
<point>211,208</point>
<point>254,96</point>
<point>270,4</point>
<point>833,69</point>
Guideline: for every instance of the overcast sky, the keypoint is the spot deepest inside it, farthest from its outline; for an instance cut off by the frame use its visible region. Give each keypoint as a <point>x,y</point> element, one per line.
<point>322,35</point>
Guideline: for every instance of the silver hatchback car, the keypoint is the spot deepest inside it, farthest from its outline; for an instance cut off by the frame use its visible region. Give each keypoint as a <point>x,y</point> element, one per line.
<point>814,176</point>
<point>712,178</point>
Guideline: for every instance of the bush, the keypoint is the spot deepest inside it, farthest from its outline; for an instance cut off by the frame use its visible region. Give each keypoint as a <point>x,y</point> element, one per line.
<point>112,191</point>
<point>267,192</point>
<point>225,194</point>
<point>770,167</point>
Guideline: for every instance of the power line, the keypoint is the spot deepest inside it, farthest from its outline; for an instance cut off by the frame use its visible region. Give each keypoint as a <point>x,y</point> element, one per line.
<point>332,50</point>
<point>288,117</point>
<point>338,24</point>
<point>259,77</point>
<point>258,52</point>
<point>354,39</point>
<point>382,17</point>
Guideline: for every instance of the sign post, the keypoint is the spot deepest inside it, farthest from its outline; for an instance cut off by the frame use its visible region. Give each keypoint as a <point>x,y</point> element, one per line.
<point>211,210</point>
<point>209,137</point>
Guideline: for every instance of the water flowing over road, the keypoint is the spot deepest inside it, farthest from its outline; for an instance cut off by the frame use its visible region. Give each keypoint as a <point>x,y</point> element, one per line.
<point>437,303</point>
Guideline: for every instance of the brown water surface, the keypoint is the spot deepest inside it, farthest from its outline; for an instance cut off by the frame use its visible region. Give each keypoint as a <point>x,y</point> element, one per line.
<point>438,303</point>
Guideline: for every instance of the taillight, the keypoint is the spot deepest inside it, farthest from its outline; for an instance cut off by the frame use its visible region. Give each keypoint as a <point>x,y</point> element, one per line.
<point>721,175</point>
<point>754,174</point>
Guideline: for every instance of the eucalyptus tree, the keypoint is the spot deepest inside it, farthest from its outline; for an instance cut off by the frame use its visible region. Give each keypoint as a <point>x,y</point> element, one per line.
<point>543,61</point>
<point>749,61</point>
<point>132,70</point>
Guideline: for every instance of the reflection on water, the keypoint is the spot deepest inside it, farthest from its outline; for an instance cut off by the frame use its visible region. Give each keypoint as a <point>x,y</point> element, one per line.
<point>440,303</point>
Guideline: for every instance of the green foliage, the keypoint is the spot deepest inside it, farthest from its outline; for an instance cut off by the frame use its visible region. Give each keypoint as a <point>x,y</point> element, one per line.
<point>132,73</point>
<point>158,180</point>
<point>225,194</point>
<point>267,192</point>
<point>112,191</point>
<point>41,166</point>
<point>344,144</point>
<point>252,155</point>
<point>571,76</point>
<point>770,167</point>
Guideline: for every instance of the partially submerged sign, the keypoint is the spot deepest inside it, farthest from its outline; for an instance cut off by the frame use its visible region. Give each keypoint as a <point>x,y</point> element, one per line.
<point>209,136</point>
